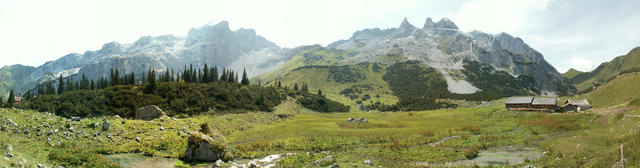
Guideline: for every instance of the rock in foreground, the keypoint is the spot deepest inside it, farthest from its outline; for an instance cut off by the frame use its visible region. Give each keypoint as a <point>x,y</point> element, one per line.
<point>149,112</point>
<point>204,148</point>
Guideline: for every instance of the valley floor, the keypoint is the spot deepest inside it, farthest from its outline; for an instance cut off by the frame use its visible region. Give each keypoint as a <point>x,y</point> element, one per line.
<point>461,137</point>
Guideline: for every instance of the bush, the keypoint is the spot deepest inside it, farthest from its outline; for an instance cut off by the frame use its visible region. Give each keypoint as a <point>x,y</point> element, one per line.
<point>471,153</point>
<point>69,158</point>
<point>321,104</point>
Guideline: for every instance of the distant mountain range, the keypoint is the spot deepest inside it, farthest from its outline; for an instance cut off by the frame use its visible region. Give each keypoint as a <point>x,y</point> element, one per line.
<point>438,45</point>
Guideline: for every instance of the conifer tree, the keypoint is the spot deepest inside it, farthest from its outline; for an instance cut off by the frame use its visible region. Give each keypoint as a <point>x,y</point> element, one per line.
<point>12,99</point>
<point>60,85</point>
<point>304,87</point>
<point>295,86</point>
<point>93,85</point>
<point>245,79</point>
<point>214,74</point>
<point>205,74</point>
<point>279,84</point>
<point>41,89</point>
<point>320,92</point>
<point>85,82</point>
<point>151,87</point>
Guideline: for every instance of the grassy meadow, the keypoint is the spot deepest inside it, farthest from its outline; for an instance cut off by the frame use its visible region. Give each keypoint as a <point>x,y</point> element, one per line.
<point>431,138</point>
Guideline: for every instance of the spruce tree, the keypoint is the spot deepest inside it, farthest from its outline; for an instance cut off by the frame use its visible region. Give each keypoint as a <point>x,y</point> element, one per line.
<point>60,85</point>
<point>320,92</point>
<point>12,99</point>
<point>93,85</point>
<point>85,82</point>
<point>117,78</point>
<point>279,84</point>
<point>205,74</point>
<point>304,87</point>
<point>295,86</point>
<point>214,74</point>
<point>151,87</point>
<point>245,79</point>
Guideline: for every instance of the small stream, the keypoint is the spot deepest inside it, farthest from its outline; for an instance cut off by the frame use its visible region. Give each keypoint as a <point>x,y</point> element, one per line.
<point>140,161</point>
<point>503,155</point>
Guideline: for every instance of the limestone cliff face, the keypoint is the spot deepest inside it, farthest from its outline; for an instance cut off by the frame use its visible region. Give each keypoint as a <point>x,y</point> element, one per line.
<point>442,46</point>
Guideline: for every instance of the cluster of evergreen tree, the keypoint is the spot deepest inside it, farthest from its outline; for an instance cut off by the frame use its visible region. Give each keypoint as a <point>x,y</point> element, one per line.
<point>207,75</point>
<point>189,75</point>
<point>186,93</point>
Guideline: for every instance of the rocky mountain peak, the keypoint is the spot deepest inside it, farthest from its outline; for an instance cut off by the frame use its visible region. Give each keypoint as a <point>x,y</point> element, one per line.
<point>111,47</point>
<point>405,24</point>
<point>429,24</point>
<point>446,23</point>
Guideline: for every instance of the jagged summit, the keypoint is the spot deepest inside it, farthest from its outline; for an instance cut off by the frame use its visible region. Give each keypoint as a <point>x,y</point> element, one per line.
<point>446,24</point>
<point>405,24</point>
<point>429,24</point>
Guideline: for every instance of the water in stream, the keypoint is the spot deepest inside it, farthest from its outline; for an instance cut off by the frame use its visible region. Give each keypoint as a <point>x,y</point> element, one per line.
<point>140,161</point>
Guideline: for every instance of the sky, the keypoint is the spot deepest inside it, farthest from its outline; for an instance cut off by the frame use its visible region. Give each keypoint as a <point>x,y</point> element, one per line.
<point>578,34</point>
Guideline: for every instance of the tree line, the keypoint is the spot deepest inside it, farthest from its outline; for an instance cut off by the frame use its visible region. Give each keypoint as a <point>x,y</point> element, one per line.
<point>189,75</point>
<point>190,92</point>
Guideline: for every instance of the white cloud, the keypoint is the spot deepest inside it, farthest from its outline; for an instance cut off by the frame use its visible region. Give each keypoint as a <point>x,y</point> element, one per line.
<point>582,64</point>
<point>495,16</point>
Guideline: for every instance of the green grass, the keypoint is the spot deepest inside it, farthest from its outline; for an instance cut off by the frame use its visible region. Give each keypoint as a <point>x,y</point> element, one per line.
<point>389,139</point>
<point>311,55</point>
<point>399,139</point>
<point>318,78</point>
<point>170,142</point>
<point>617,92</point>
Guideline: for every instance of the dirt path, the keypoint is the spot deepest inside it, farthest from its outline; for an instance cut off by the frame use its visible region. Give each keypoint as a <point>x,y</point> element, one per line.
<point>433,144</point>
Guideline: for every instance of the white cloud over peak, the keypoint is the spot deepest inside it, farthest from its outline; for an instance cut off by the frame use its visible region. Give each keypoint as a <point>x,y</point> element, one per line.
<point>581,64</point>
<point>495,16</point>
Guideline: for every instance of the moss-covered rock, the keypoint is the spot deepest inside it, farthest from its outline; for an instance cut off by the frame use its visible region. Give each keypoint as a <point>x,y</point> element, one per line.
<point>205,148</point>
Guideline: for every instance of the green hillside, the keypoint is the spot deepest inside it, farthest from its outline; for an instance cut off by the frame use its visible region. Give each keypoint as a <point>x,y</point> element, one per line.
<point>17,77</point>
<point>571,73</point>
<point>310,55</point>
<point>608,70</point>
<point>619,91</point>
<point>347,84</point>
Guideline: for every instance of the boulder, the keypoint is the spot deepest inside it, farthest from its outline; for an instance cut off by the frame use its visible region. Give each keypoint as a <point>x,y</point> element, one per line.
<point>75,118</point>
<point>149,112</point>
<point>105,124</point>
<point>368,162</point>
<point>349,119</point>
<point>204,148</point>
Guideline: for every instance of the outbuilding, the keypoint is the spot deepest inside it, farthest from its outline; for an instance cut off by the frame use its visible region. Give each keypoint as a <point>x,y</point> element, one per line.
<point>576,105</point>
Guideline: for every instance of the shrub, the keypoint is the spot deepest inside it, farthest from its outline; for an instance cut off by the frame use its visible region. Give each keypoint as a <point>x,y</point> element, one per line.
<point>69,158</point>
<point>471,152</point>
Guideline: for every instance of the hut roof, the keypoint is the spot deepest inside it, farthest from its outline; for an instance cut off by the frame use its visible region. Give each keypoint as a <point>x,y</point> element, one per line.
<point>545,101</point>
<point>519,100</point>
<point>582,103</point>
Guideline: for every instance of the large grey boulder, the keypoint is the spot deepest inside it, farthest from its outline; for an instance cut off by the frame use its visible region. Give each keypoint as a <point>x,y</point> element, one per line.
<point>204,148</point>
<point>149,112</point>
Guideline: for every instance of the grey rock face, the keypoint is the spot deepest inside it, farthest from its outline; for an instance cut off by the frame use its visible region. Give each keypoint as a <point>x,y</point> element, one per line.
<point>210,44</point>
<point>204,148</point>
<point>442,46</point>
<point>149,112</point>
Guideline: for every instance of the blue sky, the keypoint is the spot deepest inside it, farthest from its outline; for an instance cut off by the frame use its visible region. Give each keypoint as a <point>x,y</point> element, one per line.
<point>569,33</point>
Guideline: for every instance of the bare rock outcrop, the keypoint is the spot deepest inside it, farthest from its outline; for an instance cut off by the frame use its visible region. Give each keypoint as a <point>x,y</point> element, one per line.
<point>149,112</point>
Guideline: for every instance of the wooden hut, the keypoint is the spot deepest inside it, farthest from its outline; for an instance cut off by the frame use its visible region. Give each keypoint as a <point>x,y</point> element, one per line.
<point>549,104</point>
<point>519,103</point>
<point>529,103</point>
<point>576,105</point>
